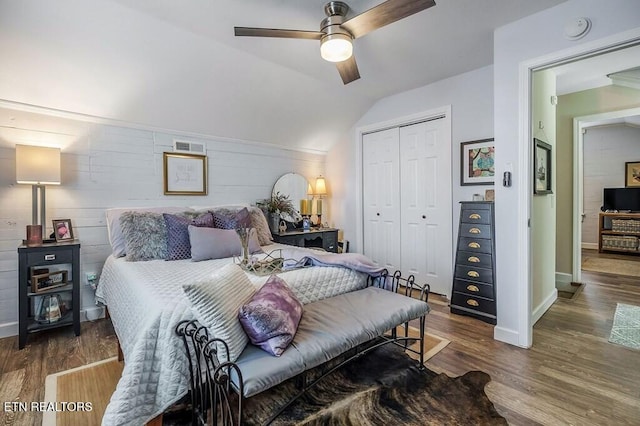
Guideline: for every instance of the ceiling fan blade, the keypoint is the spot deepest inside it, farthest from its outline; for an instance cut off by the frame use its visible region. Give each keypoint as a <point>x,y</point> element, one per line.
<point>348,70</point>
<point>384,14</point>
<point>271,32</point>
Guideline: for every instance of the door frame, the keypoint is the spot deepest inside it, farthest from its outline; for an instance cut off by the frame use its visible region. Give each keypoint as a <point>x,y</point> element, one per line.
<point>579,124</point>
<point>525,127</point>
<point>443,111</point>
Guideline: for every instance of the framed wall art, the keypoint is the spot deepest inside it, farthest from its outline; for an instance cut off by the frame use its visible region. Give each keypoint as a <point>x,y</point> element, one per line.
<point>541,167</point>
<point>632,174</point>
<point>477,162</point>
<point>185,174</point>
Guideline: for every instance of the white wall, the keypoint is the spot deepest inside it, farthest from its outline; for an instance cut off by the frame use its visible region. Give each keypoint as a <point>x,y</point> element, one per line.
<point>534,41</point>
<point>109,166</point>
<point>471,98</point>
<point>606,149</point>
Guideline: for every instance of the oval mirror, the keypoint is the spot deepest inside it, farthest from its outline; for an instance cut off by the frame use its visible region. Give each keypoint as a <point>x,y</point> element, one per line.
<point>295,186</point>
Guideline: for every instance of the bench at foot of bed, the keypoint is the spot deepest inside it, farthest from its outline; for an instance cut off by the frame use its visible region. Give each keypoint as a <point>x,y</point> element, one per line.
<point>347,325</point>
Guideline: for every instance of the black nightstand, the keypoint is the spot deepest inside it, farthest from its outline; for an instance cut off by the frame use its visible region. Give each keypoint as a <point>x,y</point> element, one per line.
<point>325,238</point>
<point>51,270</point>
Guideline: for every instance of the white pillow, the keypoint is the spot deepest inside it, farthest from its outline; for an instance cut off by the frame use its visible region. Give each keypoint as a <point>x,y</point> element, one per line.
<point>215,243</point>
<point>216,302</point>
<point>116,237</point>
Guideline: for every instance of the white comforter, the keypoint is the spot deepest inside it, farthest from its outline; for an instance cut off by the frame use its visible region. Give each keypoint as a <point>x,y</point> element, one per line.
<point>146,302</point>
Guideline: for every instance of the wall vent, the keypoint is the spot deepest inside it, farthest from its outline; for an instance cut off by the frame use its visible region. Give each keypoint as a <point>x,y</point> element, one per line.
<point>190,147</point>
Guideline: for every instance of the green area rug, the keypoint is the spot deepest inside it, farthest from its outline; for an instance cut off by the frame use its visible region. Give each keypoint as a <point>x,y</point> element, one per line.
<point>626,326</point>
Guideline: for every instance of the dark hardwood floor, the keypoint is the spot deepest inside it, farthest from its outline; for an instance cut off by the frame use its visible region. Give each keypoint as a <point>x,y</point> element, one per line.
<point>571,375</point>
<point>23,372</point>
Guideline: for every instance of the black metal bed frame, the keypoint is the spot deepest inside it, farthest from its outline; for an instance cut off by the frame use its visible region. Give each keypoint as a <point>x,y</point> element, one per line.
<point>211,398</point>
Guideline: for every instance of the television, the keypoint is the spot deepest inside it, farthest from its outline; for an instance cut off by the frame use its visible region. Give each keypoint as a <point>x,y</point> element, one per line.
<point>621,199</point>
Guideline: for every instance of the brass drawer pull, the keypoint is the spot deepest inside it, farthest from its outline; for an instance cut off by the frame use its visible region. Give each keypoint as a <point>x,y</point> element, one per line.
<point>475,216</point>
<point>474,245</point>
<point>473,288</point>
<point>473,259</point>
<point>474,231</point>
<point>472,302</point>
<point>473,274</point>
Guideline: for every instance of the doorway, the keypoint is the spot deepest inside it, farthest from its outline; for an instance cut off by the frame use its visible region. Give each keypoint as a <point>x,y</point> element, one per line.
<point>581,211</point>
<point>567,200</point>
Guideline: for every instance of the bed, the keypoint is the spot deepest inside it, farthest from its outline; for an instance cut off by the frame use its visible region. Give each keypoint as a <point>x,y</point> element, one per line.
<point>145,302</point>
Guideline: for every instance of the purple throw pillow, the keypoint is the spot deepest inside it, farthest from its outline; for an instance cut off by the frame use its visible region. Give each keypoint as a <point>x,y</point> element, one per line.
<point>214,243</point>
<point>241,219</point>
<point>178,245</point>
<point>271,317</point>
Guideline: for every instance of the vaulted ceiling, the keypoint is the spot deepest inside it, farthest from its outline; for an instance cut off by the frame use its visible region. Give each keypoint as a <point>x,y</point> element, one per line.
<point>177,65</point>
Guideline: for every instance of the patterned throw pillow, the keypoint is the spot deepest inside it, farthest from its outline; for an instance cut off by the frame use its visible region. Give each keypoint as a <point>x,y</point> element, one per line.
<point>178,245</point>
<point>272,316</point>
<point>240,219</point>
<point>145,235</point>
<point>215,303</point>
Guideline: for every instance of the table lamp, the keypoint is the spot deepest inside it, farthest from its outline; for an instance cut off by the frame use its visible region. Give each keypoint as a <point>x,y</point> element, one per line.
<point>38,166</point>
<point>321,191</point>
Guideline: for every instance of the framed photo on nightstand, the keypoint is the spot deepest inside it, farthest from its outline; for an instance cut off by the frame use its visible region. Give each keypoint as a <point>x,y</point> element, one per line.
<point>62,230</point>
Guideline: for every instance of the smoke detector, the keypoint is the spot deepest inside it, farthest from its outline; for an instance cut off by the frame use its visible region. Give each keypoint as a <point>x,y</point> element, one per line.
<point>577,28</point>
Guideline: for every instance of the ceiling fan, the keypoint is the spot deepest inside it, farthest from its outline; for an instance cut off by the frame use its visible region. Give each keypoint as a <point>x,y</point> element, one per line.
<point>336,33</point>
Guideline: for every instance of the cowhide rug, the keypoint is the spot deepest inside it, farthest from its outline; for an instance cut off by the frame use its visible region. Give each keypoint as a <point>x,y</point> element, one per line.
<point>383,387</point>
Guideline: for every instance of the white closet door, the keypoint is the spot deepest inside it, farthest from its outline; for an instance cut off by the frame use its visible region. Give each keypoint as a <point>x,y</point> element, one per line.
<point>426,222</point>
<point>381,198</point>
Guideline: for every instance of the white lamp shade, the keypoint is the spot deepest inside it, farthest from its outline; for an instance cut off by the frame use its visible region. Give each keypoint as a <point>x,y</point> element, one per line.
<point>336,48</point>
<point>321,186</point>
<point>37,165</point>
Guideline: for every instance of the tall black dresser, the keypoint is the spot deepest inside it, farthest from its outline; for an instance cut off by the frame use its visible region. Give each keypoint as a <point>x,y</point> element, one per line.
<point>474,281</point>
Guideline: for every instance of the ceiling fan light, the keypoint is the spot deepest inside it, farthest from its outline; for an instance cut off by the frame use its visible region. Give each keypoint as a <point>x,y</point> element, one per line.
<point>336,48</point>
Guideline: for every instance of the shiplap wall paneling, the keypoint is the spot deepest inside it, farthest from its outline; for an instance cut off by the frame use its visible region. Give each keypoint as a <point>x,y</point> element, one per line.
<point>106,166</point>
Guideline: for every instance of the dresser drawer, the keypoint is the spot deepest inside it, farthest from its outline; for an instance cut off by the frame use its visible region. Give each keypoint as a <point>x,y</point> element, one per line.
<point>475,215</point>
<point>475,245</point>
<point>52,257</point>
<point>474,289</point>
<point>475,303</point>
<point>474,260</point>
<point>475,231</point>
<point>483,275</point>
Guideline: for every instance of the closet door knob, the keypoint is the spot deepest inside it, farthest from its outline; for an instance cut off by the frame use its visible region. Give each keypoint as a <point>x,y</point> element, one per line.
<point>424,216</point>
<point>377,214</point>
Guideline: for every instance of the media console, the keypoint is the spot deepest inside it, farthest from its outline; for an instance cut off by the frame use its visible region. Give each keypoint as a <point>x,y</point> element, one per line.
<point>619,232</point>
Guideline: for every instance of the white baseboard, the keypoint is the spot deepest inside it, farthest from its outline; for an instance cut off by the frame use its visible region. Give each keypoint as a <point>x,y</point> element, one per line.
<point>506,335</point>
<point>91,314</point>
<point>544,306</point>
<point>9,329</point>
<point>590,246</point>
<point>561,277</point>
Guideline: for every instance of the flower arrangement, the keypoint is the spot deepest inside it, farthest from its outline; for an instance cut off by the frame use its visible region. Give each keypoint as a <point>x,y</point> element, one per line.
<point>278,203</point>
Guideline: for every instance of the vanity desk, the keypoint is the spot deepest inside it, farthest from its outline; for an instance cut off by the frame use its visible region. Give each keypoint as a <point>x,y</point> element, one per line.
<point>324,238</point>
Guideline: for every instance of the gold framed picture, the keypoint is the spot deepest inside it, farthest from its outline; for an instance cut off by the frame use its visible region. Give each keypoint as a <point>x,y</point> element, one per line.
<point>632,174</point>
<point>185,174</point>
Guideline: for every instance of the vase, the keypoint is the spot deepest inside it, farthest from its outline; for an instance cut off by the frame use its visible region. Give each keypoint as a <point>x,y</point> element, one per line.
<point>274,222</point>
<point>244,234</point>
